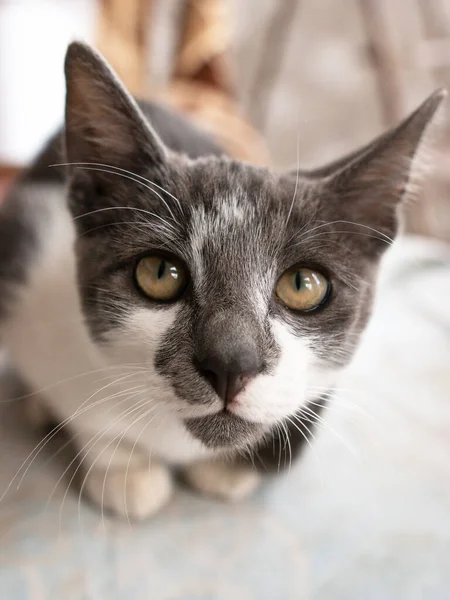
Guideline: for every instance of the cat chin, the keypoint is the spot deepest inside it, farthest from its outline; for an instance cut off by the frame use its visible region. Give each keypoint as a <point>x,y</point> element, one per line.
<point>225,431</point>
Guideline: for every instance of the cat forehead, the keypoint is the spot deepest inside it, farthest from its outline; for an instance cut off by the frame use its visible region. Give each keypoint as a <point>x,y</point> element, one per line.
<point>236,213</point>
<point>231,209</point>
<point>229,195</point>
<point>233,187</point>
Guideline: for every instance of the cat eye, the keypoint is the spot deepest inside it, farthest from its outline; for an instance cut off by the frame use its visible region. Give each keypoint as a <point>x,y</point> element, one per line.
<point>161,278</point>
<point>303,289</point>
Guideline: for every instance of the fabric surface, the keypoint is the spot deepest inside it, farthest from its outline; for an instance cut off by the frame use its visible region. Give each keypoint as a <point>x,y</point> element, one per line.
<point>364,514</point>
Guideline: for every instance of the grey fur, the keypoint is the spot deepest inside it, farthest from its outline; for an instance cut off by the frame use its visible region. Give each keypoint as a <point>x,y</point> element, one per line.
<point>236,226</point>
<point>18,243</point>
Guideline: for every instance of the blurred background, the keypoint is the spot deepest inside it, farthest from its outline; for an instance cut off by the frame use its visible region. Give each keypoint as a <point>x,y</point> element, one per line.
<point>365,514</point>
<point>332,74</point>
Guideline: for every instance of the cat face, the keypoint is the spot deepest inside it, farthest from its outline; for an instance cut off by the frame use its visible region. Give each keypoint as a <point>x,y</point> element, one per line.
<point>244,291</point>
<point>232,241</point>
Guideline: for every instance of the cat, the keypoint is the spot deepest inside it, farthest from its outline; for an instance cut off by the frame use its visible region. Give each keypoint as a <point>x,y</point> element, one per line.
<point>174,308</point>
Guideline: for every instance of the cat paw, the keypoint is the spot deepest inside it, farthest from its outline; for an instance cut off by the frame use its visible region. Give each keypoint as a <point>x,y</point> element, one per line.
<point>133,494</point>
<point>225,481</point>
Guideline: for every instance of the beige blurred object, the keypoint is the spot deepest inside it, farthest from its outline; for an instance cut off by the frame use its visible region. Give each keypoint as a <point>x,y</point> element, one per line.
<point>204,42</point>
<point>122,37</point>
<point>200,84</point>
<point>201,81</point>
<point>220,116</point>
<point>317,78</point>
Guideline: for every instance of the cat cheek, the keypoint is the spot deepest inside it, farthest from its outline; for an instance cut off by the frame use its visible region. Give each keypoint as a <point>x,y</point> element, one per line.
<point>141,335</point>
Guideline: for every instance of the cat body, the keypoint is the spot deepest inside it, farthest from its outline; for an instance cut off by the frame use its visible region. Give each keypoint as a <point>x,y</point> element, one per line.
<point>264,282</point>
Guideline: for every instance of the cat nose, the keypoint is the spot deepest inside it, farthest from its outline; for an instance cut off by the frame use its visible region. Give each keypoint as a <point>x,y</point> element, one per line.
<point>229,374</point>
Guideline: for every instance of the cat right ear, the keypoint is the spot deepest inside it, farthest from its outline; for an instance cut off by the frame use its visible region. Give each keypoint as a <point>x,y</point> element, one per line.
<point>366,188</point>
<point>104,124</point>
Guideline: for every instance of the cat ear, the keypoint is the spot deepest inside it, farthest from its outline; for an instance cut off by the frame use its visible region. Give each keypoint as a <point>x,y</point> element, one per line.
<point>103,122</point>
<point>367,186</point>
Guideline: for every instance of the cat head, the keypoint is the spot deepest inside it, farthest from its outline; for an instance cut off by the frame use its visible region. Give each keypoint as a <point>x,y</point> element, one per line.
<point>242,290</point>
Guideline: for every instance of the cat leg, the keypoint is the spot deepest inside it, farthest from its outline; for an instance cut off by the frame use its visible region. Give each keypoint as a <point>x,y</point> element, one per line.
<point>224,480</point>
<point>124,481</point>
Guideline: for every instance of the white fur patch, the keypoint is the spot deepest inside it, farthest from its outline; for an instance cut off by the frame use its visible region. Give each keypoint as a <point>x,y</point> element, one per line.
<point>134,494</point>
<point>221,480</point>
<point>270,398</point>
<point>137,343</point>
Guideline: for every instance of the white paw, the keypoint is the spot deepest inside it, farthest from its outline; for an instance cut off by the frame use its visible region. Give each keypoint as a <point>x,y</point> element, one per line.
<point>225,481</point>
<point>36,412</point>
<point>134,493</point>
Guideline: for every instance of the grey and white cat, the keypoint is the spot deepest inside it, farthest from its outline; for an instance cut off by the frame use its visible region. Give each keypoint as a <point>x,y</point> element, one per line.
<point>174,307</point>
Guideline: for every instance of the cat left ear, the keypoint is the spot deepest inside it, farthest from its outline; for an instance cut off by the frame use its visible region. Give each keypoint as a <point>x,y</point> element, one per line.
<point>367,186</point>
<point>103,122</point>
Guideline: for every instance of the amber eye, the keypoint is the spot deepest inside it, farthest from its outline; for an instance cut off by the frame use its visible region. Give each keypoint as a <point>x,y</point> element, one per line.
<point>302,289</point>
<point>161,278</point>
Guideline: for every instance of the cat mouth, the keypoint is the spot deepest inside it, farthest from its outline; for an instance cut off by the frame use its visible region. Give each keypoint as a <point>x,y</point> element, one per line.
<point>224,430</point>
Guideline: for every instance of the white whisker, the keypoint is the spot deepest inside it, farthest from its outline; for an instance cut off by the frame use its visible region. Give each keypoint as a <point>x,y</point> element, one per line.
<point>77,164</point>
<point>296,181</point>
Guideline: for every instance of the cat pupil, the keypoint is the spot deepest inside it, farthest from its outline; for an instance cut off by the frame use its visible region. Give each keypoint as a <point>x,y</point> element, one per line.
<point>298,280</point>
<point>161,269</point>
